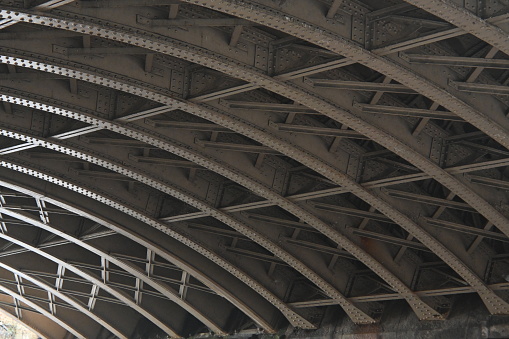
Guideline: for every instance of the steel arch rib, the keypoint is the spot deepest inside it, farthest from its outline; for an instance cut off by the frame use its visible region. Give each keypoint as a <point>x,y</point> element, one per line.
<point>65,298</point>
<point>312,162</point>
<point>423,311</point>
<point>337,44</point>
<point>356,314</point>
<point>338,114</point>
<point>326,39</point>
<point>500,306</point>
<point>113,291</point>
<point>38,308</point>
<point>467,21</point>
<point>146,243</point>
<point>120,263</point>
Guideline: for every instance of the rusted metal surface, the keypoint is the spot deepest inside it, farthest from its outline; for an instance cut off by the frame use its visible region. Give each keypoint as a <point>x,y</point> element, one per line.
<point>268,159</point>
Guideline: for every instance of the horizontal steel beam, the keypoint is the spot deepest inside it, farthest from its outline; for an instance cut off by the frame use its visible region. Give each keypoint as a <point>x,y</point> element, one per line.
<point>466,229</point>
<point>236,147</point>
<point>359,86</point>
<point>390,239</point>
<point>408,112</point>
<point>430,200</point>
<point>322,131</point>
<point>455,61</point>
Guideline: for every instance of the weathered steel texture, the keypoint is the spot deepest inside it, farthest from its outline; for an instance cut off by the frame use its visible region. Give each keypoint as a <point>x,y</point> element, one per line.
<point>339,44</point>
<point>161,288</point>
<point>434,146</point>
<point>464,19</point>
<point>329,172</point>
<point>112,290</point>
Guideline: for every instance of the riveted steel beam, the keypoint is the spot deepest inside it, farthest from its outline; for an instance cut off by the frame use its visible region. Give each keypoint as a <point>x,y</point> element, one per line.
<point>445,60</point>
<point>406,111</point>
<point>295,27</point>
<point>369,184</point>
<point>467,21</point>
<point>390,239</point>
<point>430,200</point>
<point>362,258</point>
<point>334,42</point>
<point>394,296</point>
<point>480,88</point>
<point>333,132</point>
<point>123,3</point>
<point>497,183</point>
<point>236,147</point>
<point>194,22</point>
<point>467,229</point>
<point>359,85</point>
<point>269,107</point>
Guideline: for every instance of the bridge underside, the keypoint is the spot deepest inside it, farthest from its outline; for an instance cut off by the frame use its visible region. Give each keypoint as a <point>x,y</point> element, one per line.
<point>254,167</point>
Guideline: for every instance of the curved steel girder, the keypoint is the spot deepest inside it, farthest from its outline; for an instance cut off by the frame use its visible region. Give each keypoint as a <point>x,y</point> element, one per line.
<point>315,32</point>
<point>69,300</point>
<point>338,44</point>
<point>113,291</point>
<point>135,237</point>
<point>355,314</point>
<point>423,310</point>
<point>161,288</point>
<point>36,307</point>
<point>344,180</point>
<point>296,27</point>
<point>466,20</point>
<point>388,141</point>
<point>221,290</point>
<point>385,208</point>
<point>493,302</point>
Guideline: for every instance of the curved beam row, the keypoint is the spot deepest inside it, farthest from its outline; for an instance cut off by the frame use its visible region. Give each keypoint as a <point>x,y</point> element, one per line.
<point>161,288</point>
<point>220,290</point>
<point>69,300</point>
<point>38,308</point>
<point>384,207</point>
<point>340,45</point>
<point>113,291</point>
<point>356,314</point>
<point>293,317</point>
<point>348,245</point>
<point>262,139</point>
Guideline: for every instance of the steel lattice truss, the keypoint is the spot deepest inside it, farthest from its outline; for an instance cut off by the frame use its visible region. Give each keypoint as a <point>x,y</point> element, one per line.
<point>234,166</point>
